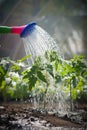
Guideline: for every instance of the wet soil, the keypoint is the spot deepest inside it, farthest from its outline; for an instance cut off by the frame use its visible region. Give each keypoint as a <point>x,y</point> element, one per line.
<point>18,115</point>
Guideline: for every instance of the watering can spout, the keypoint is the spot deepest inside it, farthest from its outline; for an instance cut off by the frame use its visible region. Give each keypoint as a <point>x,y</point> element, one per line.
<point>23,31</point>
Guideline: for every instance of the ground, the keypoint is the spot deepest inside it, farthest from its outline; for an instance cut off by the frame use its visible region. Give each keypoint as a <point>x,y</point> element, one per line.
<point>19,115</point>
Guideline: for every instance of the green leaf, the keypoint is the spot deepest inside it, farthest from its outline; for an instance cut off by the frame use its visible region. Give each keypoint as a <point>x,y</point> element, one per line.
<point>53,56</point>
<point>2,70</point>
<point>30,72</point>
<point>58,78</point>
<point>49,68</point>
<point>15,67</point>
<point>56,65</point>
<point>34,69</point>
<point>32,82</point>
<point>24,58</point>
<point>41,76</point>
<point>74,81</point>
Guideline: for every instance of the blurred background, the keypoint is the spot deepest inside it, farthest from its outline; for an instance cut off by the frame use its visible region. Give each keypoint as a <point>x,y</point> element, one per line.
<point>64,20</point>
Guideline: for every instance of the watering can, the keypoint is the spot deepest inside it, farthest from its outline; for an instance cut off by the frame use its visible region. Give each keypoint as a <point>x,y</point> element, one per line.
<point>23,31</point>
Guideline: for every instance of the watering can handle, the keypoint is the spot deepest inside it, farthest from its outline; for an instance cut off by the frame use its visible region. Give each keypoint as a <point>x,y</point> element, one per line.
<point>13,29</point>
<point>5,29</point>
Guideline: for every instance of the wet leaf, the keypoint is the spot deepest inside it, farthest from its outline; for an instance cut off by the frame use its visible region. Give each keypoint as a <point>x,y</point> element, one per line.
<point>41,76</point>
<point>24,58</point>
<point>49,68</point>
<point>32,82</point>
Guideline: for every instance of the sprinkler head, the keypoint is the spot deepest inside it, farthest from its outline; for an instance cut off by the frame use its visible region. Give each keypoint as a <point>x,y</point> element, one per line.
<point>28,30</point>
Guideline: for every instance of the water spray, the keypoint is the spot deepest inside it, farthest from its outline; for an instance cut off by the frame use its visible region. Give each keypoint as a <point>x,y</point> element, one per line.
<point>23,31</point>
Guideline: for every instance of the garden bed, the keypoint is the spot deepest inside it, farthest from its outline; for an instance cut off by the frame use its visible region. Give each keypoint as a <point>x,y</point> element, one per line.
<point>21,116</point>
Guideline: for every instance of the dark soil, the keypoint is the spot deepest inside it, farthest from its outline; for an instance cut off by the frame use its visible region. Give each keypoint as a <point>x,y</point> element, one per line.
<point>21,114</point>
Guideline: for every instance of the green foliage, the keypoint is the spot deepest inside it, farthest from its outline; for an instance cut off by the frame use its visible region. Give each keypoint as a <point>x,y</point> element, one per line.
<point>10,76</point>
<point>17,79</point>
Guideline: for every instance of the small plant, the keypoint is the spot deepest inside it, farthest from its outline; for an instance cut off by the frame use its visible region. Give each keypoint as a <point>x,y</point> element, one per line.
<point>10,77</point>
<point>18,80</point>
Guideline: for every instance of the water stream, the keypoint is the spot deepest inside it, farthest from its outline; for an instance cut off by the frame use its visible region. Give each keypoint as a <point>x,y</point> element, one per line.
<point>38,42</point>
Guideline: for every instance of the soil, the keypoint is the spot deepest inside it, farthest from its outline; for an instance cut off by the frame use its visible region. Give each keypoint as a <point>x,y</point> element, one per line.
<point>21,114</point>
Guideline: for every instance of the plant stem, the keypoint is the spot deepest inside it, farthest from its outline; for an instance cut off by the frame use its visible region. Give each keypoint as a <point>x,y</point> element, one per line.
<point>71,100</point>
<point>45,98</point>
